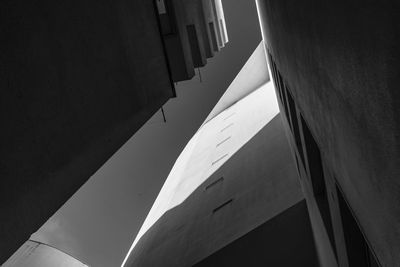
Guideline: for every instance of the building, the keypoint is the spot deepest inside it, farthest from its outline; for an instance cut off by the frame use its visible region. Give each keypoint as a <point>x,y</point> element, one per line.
<point>78,79</point>
<point>192,30</point>
<point>232,197</point>
<point>336,69</point>
<point>34,254</point>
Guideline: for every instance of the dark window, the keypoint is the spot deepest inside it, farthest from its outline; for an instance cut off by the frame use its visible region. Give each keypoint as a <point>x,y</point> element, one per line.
<point>274,77</point>
<point>358,251</point>
<point>318,180</point>
<point>284,93</point>
<point>194,46</point>
<point>213,36</point>
<point>295,124</point>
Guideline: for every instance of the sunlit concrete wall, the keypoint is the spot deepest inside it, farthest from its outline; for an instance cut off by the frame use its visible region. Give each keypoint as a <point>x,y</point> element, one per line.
<point>235,174</point>
<point>222,23</point>
<point>339,61</point>
<point>33,254</point>
<point>77,79</point>
<point>253,74</point>
<point>241,159</point>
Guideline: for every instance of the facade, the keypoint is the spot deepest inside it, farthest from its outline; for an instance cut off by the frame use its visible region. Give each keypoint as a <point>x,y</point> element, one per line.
<point>34,254</point>
<point>192,30</point>
<point>336,70</point>
<point>233,194</point>
<point>78,80</point>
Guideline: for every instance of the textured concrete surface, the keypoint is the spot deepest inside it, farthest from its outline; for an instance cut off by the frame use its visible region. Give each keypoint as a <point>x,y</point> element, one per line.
<point>341,62</point>
<point>77,80</point>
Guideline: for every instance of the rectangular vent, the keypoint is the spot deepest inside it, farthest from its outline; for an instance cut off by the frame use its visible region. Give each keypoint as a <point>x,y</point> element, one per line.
<point>226,127</point>
<point>223,141</point>
<point>220,180</point>
<point>222,205</point>
<point>214,162</point>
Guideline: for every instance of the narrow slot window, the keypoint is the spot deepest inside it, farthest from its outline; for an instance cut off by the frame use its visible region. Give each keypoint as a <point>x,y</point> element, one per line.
<point>318,181</point>
<point>358,251</point>
<point>229,116</point>
<point>222,205</point>
<point>214,162</point>
<point>220,180</point>
<point>223,141</point>
<point>284,93</point>
<point>295,124</point>
<point>223,129</point>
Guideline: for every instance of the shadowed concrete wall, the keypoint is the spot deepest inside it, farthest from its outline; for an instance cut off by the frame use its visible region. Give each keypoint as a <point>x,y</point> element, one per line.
<point>193,18</point>
<point>341,61</point>
<point>211,22</point>
<point>277,242</point>
<point>77,79</point>
<point>205,28</point>
<point>177,42</point>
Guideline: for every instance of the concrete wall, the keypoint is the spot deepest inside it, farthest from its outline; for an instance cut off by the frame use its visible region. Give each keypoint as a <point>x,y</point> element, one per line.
<point>277,242</point>
<point>340,62</point>
<point>217,21</point>
<point>211,23</point>
<point>77,80</point>
<point>33,254</point>
<point>259,181</point>
<point>196,29</point>
<point>253,74</point>
<point>177,42</point>
<point>189,37</point>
